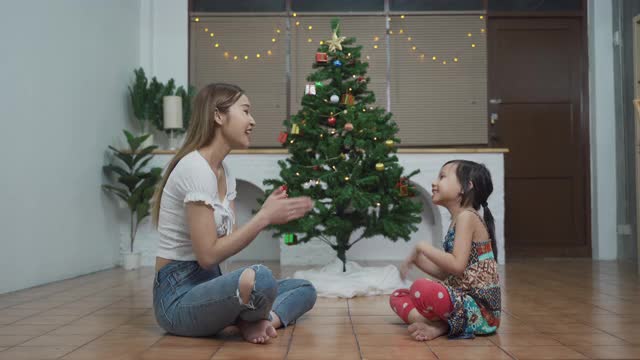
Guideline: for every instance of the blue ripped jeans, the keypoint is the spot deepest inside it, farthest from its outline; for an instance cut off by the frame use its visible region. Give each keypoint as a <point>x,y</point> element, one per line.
<point>191,301</point>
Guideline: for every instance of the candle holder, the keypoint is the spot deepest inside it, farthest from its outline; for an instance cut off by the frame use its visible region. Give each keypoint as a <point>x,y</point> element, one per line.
<point>172,113</point>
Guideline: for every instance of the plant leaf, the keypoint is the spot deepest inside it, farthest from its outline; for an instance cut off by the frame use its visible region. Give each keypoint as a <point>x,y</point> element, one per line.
<point>118,170</point>
<point>130,181</point>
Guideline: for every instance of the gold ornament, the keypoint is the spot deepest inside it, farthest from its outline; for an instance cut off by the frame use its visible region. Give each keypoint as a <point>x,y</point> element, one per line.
<point>389,143</point>
<point>336,41</point>
<point>380,166</point>
<point>295,129</point>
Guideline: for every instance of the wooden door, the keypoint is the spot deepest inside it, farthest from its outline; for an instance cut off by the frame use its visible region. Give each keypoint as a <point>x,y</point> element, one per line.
<point>537,91</point>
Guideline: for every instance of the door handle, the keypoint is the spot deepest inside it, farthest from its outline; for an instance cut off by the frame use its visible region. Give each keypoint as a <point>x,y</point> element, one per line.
<point>495,101</point>
<point>493,118</point>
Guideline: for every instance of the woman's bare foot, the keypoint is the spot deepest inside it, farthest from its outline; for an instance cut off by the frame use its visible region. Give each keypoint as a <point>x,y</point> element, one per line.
<point>428,331</point>
<point>257,332</point>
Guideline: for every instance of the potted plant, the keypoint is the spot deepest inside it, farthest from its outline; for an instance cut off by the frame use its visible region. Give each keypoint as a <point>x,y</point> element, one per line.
<point>146,100</point>
<point>136,186</point>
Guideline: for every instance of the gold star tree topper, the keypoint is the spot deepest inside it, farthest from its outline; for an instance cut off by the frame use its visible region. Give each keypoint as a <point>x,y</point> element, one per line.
<point>336,41</point>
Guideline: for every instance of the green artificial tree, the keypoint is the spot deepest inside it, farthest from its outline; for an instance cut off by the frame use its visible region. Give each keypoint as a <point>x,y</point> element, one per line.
<point>342,154</point>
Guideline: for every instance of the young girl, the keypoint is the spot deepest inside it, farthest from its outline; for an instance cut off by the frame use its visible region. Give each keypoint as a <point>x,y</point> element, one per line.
<point>194,211</point>
<point>467,299</point>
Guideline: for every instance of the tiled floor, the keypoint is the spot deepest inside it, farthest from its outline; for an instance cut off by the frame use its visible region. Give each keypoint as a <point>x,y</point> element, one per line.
<point>557,309</point>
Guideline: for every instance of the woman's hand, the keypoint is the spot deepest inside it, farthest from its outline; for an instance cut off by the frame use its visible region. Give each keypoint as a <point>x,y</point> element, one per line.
<point>279,209</point>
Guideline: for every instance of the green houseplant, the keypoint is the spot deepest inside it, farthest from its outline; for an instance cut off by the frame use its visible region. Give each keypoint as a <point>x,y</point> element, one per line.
<point>146,100</point>
<point>134,184</point>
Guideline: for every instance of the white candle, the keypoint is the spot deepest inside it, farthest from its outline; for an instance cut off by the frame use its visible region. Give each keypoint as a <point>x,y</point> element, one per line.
<point>172,112</point>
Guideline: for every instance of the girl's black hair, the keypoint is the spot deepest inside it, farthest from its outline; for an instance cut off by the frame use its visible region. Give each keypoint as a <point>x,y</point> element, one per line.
<point>471,173</point>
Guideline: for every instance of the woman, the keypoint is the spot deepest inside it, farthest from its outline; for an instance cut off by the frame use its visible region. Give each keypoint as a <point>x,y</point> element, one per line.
<point>194,213</point>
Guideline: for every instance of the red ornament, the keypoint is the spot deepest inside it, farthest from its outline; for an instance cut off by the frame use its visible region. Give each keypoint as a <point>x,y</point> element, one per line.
<point>348,126</point>
<point>361,79</point>
<point>331,121</point>
<point>322,58</point>
<point>282,138</point>
<point>316,167</point>
<point>284,187</point>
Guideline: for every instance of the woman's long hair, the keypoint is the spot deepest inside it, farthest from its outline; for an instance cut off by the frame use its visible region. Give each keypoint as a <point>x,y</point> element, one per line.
<point>202,127</point>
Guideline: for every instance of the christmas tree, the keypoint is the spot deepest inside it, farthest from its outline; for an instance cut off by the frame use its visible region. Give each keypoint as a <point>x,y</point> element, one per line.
<point>342,154</point>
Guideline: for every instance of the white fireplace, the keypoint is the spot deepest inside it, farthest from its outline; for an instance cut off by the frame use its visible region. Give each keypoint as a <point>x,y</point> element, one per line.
<point>251,168</point>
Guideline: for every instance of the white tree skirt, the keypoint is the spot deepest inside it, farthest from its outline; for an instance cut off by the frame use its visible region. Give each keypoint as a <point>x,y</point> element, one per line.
<point>330,281</point>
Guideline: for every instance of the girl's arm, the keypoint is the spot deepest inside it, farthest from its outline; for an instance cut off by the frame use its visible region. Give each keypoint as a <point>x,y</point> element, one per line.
<point>429,267</point>
<point>210,249</point>
<point>454,263</point>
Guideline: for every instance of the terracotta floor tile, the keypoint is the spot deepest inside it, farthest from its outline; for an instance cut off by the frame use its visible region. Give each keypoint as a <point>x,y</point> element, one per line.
<point>323,355</point>
<point>254,352</point>
<point>469,352</point>
<point>179,341</point>
<point>35,353</point>
<point>34,330</point>
<point>565,328</point>
<point>582,307</point>
<point>60,340</point>
<point>331,303</point>
<point>387,340</point>
<point>632,338</point>
<point>587,339</point>
<point>543,352</point>
<point>11,312</point>
<point>609,352</point>
<point>394,352</point>
<point>82,329</point>
<point>477,341</point>
<point>390,319</point>
<point>524,340</point>
<point>327,311</point>
<point>363,329</point>
<point>311,351</point>
<point>6,320</point>
<point>12,340</point>
<point>47,320</point>
<point>178,352</point>
<point>326,320</point>
<point>517,329</point>
<point>112,352</point>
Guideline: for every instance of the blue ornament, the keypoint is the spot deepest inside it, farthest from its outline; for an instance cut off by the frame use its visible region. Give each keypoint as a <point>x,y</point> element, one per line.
<point>337,63</point>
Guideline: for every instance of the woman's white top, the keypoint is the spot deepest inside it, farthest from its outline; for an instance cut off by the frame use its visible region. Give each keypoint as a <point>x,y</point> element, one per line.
<point>192,180</point>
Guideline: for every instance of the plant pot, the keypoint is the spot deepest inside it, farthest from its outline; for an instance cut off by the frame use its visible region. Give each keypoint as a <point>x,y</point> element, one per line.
<point>131,261</point>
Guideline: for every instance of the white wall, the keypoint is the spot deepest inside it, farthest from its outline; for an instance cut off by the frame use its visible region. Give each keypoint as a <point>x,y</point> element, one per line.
<point>164,35</point>
<point>603,139</point>
<point>64,67</point>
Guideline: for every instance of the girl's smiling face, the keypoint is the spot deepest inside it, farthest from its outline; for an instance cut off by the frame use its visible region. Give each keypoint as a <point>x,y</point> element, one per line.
<point>446,189</point>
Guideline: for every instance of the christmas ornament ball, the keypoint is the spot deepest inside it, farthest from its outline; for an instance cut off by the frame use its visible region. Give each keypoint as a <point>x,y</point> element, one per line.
<point>334,99</point>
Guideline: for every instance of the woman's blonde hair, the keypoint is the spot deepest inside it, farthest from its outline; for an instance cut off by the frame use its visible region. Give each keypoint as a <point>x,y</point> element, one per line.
<point>202,127</point>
